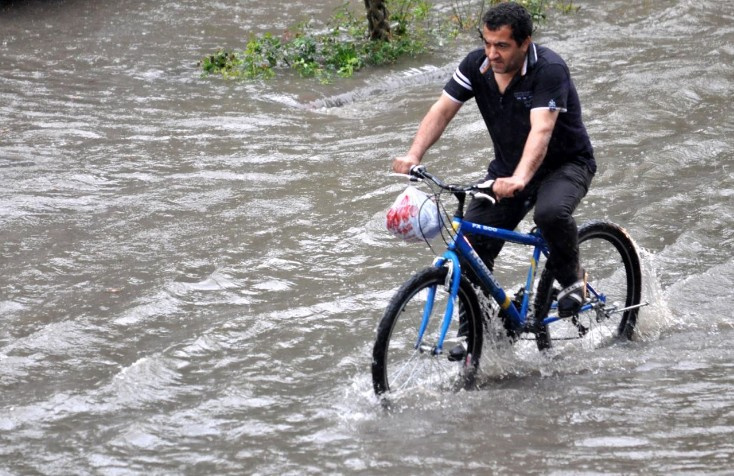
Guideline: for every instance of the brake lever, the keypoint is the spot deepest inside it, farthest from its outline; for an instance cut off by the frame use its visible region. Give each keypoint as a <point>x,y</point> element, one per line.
<point>487,185</point>
<point>486,197</point>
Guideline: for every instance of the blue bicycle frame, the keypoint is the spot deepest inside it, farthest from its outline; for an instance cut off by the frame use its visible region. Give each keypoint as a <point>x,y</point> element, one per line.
<point>460,247</point>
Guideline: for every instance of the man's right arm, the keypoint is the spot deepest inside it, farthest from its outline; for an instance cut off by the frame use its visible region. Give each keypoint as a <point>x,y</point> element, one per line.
<point>429,131</point>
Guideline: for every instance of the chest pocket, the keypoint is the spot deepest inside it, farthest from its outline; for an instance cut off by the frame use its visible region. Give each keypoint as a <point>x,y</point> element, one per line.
<point>525,97</point>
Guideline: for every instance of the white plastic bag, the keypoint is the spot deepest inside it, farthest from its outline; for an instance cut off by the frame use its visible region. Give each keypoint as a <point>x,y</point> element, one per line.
<point>413,216</point>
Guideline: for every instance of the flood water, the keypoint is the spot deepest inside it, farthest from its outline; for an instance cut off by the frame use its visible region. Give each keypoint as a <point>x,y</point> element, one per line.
<point>192,269</point>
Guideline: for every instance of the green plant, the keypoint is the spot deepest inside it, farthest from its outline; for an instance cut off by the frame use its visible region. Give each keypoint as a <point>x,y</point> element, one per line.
<point>467,14</point>
<point>344,47</point>
<point>341,51</point>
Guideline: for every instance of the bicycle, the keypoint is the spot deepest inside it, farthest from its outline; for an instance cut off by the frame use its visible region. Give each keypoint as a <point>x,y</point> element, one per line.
<point>409,348</point>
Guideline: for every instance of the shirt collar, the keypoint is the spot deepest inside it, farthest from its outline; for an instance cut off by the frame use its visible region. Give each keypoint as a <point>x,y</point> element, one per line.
<point>530,59</point>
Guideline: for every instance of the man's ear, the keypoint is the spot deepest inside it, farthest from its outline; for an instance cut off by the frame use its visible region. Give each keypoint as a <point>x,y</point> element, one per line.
<point>526,44</point>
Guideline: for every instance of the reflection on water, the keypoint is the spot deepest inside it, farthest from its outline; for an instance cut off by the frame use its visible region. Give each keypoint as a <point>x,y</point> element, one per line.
<point>193,268</point>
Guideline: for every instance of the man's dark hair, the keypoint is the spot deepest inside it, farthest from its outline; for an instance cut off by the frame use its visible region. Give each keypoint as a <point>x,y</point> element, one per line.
<point>512,14</point>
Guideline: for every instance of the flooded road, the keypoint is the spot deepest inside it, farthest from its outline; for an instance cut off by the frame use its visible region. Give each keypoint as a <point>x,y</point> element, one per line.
<point>193,269</point>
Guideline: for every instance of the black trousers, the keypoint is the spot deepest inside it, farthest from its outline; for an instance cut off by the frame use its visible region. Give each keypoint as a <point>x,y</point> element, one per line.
<point>555,195</point>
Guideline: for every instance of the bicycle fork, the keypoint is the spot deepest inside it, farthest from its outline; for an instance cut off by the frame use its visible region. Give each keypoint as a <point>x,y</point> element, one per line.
<point>453,279</point>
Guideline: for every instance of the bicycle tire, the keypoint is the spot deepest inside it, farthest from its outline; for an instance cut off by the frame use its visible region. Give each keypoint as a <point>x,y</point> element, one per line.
<point>397,365</point>
<point>612,263</point>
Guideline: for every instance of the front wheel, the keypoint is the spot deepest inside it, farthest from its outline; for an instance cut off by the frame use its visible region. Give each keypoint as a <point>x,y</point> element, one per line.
<point>614,288</point>
<point>401,362</point>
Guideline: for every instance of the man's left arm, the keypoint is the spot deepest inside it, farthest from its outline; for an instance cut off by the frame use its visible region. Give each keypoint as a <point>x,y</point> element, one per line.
<point>542,122</point>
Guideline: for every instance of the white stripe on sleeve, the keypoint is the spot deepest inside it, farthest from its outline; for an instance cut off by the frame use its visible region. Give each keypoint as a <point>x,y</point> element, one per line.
<point>462,80</point>
<point>452,98</point>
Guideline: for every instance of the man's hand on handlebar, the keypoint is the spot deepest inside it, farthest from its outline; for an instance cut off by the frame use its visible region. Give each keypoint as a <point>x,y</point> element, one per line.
<point>402,164</point>
<point>505,187</point>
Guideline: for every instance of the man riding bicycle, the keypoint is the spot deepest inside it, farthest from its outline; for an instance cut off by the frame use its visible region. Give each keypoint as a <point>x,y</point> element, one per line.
<point>543,155</point>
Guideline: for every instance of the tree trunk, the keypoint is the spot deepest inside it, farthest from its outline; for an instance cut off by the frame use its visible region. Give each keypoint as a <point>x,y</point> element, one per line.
<point>377,17</point>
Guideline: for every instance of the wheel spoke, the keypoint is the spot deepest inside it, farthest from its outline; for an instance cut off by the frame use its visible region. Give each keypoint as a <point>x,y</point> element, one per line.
<point>614,284</point>
<point>397,364</point>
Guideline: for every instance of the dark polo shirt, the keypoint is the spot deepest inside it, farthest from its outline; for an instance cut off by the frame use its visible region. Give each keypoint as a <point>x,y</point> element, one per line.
<point>543,82</point>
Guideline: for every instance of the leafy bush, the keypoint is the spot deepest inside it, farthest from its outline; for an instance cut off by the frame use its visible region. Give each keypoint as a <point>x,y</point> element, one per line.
<point>345,48</point>
<point>341,51</point>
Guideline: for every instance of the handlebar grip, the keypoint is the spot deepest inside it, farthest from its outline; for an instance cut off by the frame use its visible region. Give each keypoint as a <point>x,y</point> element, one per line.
<point>417,170</point>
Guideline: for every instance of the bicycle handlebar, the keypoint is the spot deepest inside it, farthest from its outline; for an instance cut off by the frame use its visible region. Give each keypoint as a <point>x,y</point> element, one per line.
<point>481,190</point>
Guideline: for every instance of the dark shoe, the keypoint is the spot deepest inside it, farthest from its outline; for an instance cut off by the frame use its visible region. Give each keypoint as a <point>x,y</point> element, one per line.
<point>457,353</point>
<point>572,298</point>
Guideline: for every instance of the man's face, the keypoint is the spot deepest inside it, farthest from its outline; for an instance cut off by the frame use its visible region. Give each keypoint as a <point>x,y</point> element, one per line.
<point>504,54</point>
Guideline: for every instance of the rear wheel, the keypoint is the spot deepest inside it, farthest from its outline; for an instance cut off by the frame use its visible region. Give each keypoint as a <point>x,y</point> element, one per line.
<point>614,288</point>
<point>401,363</point>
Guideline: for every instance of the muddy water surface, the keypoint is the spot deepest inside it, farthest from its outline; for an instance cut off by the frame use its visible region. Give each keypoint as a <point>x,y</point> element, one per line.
<point>193,269</point>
